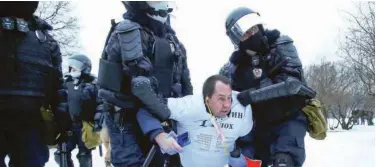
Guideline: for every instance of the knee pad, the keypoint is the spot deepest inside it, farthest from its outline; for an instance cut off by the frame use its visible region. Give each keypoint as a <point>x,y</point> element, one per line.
<point>84,153</point>
<point>283,160</point>
<point>84,158</point>
<point>57,152</point>
<point>57,157</point>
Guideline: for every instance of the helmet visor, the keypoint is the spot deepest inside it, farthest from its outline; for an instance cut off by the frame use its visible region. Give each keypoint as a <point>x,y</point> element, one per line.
<point>245,27</point>
<point>164,7</point>
<point>75,64</point>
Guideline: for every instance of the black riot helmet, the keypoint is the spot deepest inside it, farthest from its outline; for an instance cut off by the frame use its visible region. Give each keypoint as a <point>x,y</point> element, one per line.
<point>80,62</point>
<point>239,23</point>
<point>157,10</point>
<point>21,9</point>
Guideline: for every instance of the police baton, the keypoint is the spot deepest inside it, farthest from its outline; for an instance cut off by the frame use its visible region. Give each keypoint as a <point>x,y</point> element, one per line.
<point>150,156</point>
<point>100,151</point>
<point>63,148</point>
<point>63,155</point>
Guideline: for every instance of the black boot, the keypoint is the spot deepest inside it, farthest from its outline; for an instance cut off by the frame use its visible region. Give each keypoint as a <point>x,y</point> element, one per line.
<point>84,158</point>
<point>58,155</point>
<point>283,160</point>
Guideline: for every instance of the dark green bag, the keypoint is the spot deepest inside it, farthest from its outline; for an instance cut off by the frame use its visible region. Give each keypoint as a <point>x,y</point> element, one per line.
<point>50,132</point>
<point>317,123</point>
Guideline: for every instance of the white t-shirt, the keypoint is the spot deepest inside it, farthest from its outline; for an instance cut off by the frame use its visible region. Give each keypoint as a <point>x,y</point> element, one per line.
<point>206,149</point>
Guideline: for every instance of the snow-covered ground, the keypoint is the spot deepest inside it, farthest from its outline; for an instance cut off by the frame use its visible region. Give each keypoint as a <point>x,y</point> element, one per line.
<point>354,148</point>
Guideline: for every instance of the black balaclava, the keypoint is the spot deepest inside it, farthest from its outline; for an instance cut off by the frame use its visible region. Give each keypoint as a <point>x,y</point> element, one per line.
<point>140,17</point>
<point>261,41</point>
<point>255,42</point>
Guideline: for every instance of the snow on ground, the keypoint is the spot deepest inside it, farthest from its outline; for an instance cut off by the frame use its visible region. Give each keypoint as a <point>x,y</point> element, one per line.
<point>354,148</point>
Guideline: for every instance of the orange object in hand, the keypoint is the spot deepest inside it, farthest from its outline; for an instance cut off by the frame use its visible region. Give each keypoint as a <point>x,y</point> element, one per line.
<point>253,163</point>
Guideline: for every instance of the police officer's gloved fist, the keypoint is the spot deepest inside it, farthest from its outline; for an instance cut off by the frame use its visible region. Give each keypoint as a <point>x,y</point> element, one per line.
<point>237,159</point>
<point>244,97</point>
<point>98,121</point>
<point>63,137</point>
<point>177,90</point>
<point>63,118</point>
<point>168,144</point>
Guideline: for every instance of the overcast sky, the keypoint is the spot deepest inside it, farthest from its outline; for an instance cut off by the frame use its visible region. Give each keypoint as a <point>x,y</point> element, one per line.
<point>313,25</point>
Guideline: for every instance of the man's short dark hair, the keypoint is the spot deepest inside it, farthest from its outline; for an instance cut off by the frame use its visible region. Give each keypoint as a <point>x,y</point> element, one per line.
<point>209,85</point>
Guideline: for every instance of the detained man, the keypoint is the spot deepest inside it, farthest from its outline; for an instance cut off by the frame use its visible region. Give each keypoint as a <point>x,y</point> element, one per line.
<point>208,125</point>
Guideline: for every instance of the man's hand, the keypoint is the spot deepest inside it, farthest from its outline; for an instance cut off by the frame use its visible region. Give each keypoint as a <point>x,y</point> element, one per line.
<point>168,144</point>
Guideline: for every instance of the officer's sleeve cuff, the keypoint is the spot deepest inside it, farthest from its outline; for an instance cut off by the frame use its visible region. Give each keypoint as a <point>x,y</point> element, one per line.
<point>154,133</point>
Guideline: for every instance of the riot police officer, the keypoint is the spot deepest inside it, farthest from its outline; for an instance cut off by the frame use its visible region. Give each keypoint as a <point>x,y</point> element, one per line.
<point>143,44</point>
<point>264,60</point>
<point>31,78</point>
<point>82,102</point>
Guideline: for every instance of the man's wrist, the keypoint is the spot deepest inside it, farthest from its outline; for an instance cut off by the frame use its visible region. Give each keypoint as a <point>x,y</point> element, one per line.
<point>156,134</point>
<point>160,137</point>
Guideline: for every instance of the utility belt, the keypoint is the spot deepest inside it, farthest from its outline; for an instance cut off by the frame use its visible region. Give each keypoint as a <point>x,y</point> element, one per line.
<point>121,100</point>
<point>119,115</point>
<point>76,122</point>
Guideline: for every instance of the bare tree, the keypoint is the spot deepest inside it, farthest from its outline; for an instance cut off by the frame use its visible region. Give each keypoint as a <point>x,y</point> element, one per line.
<point>347,96</point>
<point>368,111</point>
<point>358,45</point>
<point>338,92</point>
<point>59,15</point>
<point>321,78</point>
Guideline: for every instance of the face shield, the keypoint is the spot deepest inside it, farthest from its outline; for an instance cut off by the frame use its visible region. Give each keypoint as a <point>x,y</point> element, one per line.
<point>160,10</point>
<point>244,28</point>
<point>77,65</point>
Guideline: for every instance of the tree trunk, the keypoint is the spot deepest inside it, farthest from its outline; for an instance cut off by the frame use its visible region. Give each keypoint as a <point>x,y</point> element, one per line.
<point>345,126</point>
<point>370,121</point>
<point>335,127</point>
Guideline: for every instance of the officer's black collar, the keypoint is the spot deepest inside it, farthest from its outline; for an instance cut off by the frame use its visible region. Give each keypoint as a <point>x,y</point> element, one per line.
<point>239,57</point>
<point>272,35</point>
<point>42,24</point>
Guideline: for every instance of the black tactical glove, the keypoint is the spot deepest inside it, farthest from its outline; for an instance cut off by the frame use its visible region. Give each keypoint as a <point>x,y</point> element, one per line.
<point>98,121</point>
<point>237,159</point>
<point>244,97</point>
<point>63,119</point>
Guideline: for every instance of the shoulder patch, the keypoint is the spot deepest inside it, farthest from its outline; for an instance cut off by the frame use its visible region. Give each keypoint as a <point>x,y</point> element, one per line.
<point>130,39</point>
<point>126,26</point>
<point>284,39</point>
